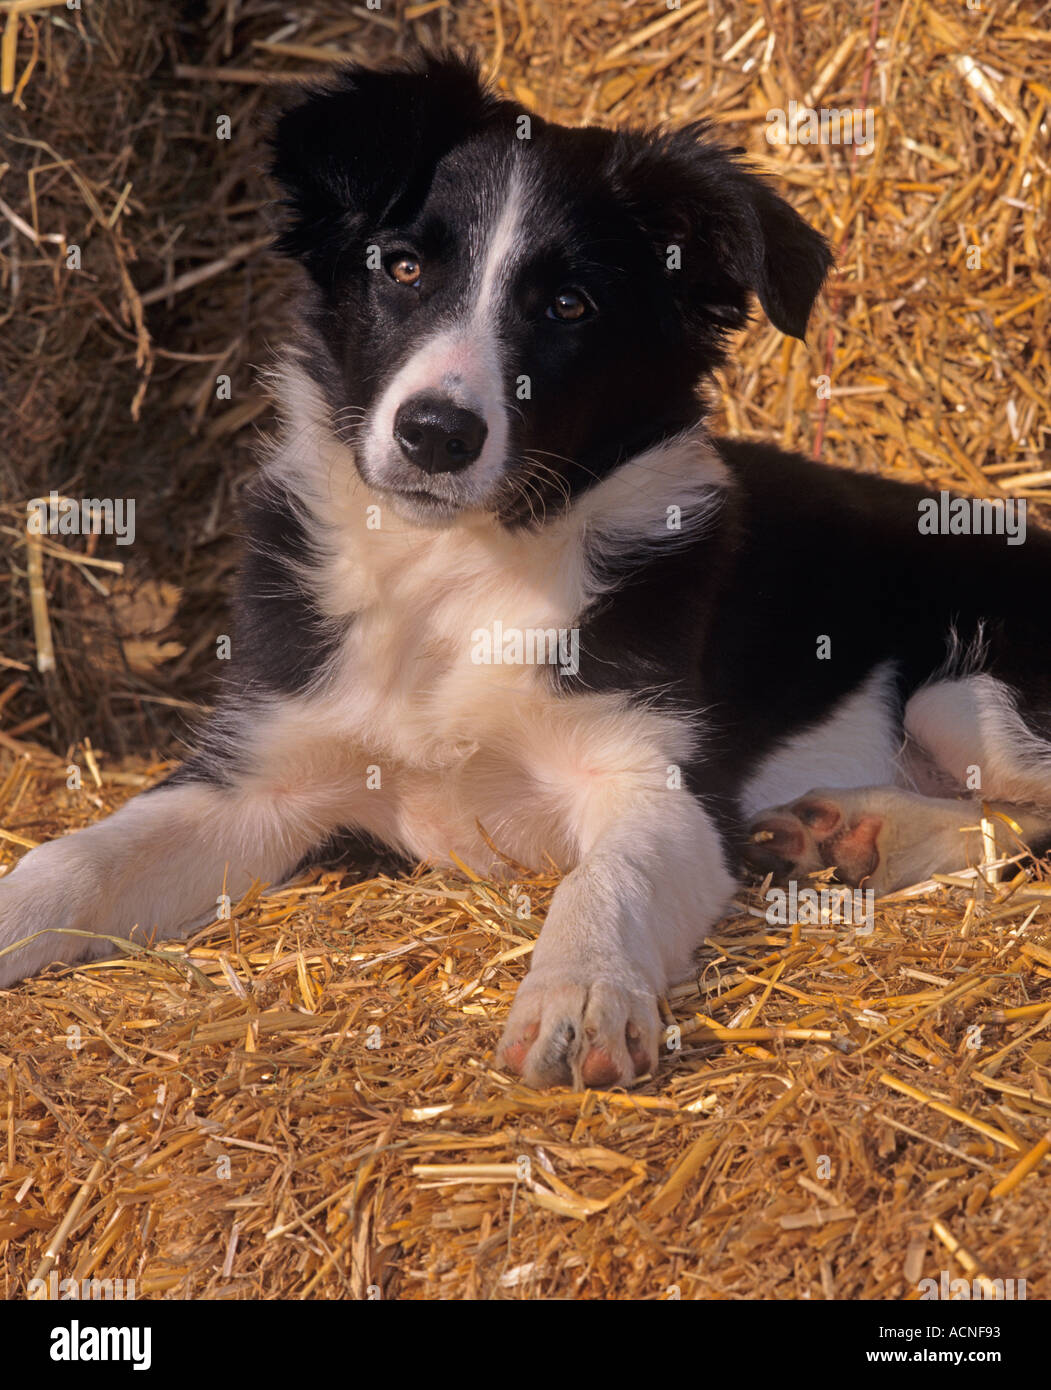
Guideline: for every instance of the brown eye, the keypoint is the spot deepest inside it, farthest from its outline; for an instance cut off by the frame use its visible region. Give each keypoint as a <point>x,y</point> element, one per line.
<point>568,305</point>
<point>406,270</point>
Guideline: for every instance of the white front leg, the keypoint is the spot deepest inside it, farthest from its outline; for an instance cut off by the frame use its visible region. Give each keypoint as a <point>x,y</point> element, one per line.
<point>622,926</point>
<point>156,868</point>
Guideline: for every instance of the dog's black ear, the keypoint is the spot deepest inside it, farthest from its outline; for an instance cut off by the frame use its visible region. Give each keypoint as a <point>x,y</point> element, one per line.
<point>348,153</point>
<point>737,236</point>
<point>777,255</point>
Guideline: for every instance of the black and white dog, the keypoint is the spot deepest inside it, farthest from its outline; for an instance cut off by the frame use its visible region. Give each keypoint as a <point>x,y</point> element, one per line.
<point>503,588</point>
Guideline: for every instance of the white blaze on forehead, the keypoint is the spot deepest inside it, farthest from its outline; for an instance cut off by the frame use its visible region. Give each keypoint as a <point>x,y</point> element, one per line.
<point>463,359</point>
<point>503,247</point>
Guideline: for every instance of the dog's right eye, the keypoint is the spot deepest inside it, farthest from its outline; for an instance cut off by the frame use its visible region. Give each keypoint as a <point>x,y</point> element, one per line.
<point>568,306</point>
<point>406,270</point>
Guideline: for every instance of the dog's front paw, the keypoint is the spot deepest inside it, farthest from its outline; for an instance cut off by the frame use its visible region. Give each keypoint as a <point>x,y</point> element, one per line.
<point>566,1030</point>
<point>41,900</point>
<point>23,915</point>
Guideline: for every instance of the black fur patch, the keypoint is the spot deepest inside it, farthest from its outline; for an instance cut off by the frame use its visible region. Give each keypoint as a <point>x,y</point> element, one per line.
<point>357,853</point>
<point>729,626</point>
<point>281,641</point>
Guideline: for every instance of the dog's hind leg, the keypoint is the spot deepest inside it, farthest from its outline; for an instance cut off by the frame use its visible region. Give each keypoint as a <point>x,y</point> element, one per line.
<point>987,737</point>
<point>976,737</point>
<point>884,837</point>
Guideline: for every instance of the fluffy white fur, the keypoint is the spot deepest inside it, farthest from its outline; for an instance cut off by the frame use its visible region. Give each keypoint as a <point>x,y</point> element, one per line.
<point>973,723</point>
<point>856,746</point>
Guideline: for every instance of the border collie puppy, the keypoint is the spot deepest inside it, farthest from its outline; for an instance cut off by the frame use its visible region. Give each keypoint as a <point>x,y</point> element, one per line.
<point>503,589</point>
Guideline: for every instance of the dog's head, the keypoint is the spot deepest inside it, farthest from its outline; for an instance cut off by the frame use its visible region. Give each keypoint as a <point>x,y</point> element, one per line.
<point>506,308</point>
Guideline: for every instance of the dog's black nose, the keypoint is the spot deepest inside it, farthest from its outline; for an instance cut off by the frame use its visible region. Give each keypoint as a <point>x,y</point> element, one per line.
<point>436,434</point>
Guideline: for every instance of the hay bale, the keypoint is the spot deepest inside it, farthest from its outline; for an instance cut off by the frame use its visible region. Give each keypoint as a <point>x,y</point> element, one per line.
<point>300,1103</point>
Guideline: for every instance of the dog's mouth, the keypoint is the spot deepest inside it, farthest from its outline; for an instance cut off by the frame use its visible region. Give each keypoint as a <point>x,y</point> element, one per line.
<point>421,494</point>
<point>421,505</point>
<point>427,499</point>
<point>423,500</point>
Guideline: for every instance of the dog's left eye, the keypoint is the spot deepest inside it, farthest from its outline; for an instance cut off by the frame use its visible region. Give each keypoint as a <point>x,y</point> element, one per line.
<point>569,306</point>
<point>406,270</point>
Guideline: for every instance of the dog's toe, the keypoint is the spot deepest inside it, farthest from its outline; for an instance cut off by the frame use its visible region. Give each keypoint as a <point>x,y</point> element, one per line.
<point>563,1032</point>
<point>514,1050</point>
<point>819,831</point>
<point>777,843</point>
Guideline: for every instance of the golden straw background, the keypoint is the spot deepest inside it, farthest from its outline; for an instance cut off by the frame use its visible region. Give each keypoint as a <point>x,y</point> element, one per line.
<point>303,1104</point>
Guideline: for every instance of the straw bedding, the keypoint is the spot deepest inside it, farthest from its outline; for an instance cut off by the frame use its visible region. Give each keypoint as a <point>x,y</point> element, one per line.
<point>302,1104</point>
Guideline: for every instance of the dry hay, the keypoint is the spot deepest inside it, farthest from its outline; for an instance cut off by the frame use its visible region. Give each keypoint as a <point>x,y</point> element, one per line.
<point>301,1102</point>
<point>400,1166</point>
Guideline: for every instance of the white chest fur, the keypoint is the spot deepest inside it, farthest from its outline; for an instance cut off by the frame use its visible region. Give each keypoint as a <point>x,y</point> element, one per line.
<point>426,727</point>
